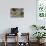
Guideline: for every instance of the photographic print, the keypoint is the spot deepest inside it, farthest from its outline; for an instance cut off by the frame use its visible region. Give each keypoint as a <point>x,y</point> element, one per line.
<point>17,12</point>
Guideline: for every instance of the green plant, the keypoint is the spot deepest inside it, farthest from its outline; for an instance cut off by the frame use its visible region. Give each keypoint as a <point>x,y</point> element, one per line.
<point>39,35</point>
<point>38,27</point>
<point>42,27</point>
<point>35,26</point>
